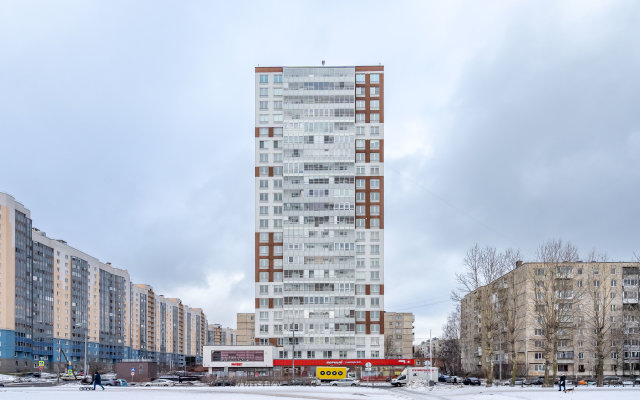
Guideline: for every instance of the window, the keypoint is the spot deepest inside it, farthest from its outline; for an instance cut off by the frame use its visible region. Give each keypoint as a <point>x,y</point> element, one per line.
<point>360,92</point>
<point>374,104</point>
<point>360,157</point>
<point>374,196</point>
<point>360,78</point>
<point>264,196</point>
<point>374,78</point>
<point>375,328</point>
<point>277,79</point>
<point>264,250</point>
<point>375,301</point>
<point>360,144</point>
<point>374,144</point>
<point>277,277</point>
<point>277,118</point>
<point>264,184</point>
<point>264,105</point>
<point>277,197</point>
<point>277,105</point>
<point>360,196</point>
<point>360,223</point>
<point>264,78</point>
<point>374,210</point>
<point>277,210</point>
<point>375,275</point>
<point>375,117</point>
<point>264,328</point>
<point>375,130</point>
<point>374,184</point>
<point>264,303</point>
<point>263,132</point>
<point>360,184</point>
<point>360,170</point>
<point>264,92</point>
<point>374,91</point>
<point>264,223</point>
<point>264,157</point>
<point>360,210</point>
<point>264,277</point>
<point>360,117</point>
<point>264,119</point>
<point>264,210</point>
<point>360,130</point>
<point>264,289</point>
<point>277,91</point>
<point>264,263</point>
<point>277,171</point>
<point>360,104</point>
<point>277,131</point>
<point>360,328</point>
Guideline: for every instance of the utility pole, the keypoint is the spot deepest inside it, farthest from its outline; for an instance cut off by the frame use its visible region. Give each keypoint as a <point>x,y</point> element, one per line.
<point>86,337</point>
<point>293,357</point>
<point>430,357</point>
<point>58,365</point>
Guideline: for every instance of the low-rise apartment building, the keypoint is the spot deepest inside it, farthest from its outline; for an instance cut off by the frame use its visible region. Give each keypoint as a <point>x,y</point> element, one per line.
<point>572,313</point>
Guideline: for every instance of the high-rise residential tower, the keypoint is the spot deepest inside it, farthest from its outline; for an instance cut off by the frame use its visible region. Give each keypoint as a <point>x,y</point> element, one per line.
<point>319,204</point>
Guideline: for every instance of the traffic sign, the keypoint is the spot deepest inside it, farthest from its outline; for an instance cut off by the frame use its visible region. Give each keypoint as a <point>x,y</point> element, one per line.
<point>40,363</point>
<point>133,370</point>
<point>368,365</point>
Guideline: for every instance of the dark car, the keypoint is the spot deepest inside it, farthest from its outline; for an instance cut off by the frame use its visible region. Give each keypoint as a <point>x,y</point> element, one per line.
<point>442,378</point>
<point>471,381</point>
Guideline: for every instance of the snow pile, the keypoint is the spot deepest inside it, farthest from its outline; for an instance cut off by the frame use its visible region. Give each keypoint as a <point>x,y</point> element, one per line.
<point>7,378</point>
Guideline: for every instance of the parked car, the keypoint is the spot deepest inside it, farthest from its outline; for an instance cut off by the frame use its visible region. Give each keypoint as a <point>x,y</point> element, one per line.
<point>110,382</point>
<point>345,382</point>
<point>586,382</point>
<point>453,379</point>
<point>612,380</point>
<point>471,381</point>
<point>518,382</point>
<point>122,382</point>
<point>443,378</point>
<point>160,382</point>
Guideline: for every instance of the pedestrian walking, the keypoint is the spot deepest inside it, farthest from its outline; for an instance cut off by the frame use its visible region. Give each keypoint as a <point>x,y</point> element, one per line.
<point>562,385</point>
<point>97,381</point>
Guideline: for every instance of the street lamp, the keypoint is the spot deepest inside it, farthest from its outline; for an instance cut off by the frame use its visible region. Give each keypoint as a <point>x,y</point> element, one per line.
<point>86,335</point>
<point>293,355</point>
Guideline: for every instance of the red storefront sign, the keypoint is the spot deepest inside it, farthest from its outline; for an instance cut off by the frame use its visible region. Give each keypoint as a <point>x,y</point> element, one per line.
<point>236,364</point>
<point>344,363</point>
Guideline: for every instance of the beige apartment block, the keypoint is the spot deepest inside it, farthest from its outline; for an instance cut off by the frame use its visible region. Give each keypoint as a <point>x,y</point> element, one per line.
<point>398,335</point>
<point>578,298</point>
<point>245,329</point>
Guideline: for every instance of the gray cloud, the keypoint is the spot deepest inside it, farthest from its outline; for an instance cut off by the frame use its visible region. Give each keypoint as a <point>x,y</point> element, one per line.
<point>126,129</point>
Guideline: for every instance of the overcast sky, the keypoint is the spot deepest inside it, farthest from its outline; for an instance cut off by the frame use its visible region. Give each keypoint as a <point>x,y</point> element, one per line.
<point>126,127</point>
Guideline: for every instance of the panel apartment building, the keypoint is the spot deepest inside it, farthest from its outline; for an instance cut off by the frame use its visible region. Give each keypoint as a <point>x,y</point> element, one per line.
<point>53,296</point>
<point>319,211</point>
<point>572,296</point>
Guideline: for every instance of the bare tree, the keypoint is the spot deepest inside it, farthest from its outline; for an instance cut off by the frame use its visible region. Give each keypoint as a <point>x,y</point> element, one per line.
<point>512,308</point>
<point>482,267</point>
<point>599,309</point>
<point>450,347</point>
<point>553,298</point>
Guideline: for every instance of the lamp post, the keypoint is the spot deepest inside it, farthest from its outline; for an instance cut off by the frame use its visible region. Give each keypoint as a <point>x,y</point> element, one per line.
<point>293,356</point>
<point>86,335</point>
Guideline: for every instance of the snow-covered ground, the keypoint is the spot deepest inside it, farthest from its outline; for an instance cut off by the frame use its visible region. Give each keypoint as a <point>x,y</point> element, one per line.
<point>72,392</point>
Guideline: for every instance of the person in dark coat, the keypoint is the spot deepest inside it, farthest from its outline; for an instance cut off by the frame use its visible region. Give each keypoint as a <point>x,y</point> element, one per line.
<point>97,380</point>
<point>563,383</point>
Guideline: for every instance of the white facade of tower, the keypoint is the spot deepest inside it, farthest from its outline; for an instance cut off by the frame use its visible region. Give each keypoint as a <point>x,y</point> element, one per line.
<point>319,224</point>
